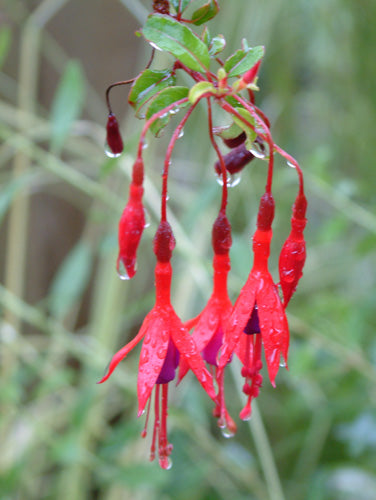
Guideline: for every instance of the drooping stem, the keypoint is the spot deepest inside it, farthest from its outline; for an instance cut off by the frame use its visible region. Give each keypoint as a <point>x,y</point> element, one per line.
<point>167,161</point>
<point>295,164</point>
<point>220,158</point>
<point>155,117</point>
<point>124,82</point>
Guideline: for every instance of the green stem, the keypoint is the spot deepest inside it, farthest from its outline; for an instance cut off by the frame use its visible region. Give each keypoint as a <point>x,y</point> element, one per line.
<point>262,443</point>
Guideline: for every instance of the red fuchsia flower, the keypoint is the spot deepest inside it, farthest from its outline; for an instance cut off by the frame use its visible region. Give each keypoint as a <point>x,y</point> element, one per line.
<point>131,224</point>
<point>165,341</point>
<point>210,324</point>
<point>258,315</point>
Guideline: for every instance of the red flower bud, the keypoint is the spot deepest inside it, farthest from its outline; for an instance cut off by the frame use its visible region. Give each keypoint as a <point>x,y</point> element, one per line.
<point>114,140</point>
<point>235,141</point>
<point>250,75</point>
<point>131,226</point>
<point>293,253</point>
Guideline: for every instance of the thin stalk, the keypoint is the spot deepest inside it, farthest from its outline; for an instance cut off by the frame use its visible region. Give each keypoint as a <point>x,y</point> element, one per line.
<point>263,446</point>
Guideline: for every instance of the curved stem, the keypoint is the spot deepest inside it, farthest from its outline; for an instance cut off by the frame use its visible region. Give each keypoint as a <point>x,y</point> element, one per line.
<point>155,117</point>
<point>220,158</point>
<point>167,161</point>
<point>268,137</point>
<point>125,82</point>
<point>295,164</point>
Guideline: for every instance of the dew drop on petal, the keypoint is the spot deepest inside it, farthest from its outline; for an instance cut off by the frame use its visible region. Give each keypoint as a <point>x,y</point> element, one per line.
<point>226,432</point>
<point>108,152</point>
<point>122,271</point>
<point>282,362</point>
<point>232,179</point>
<point>147,219</point>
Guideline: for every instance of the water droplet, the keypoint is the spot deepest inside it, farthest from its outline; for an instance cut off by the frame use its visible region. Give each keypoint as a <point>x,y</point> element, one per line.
<point>260,150</point>
<point>155,46</point>
<point>282,362</point>
<point>289,164</point>
<point>232,179</point>
<point>147,218</point>
<point>165,115</point>
<point>226,432</point>
<point>145,145</point>
<point>173,111</point>
<point>108,152</point>
<point>247,417</point>
<point>165,463</point>
<point>122,271</point>
<point>181,133</point>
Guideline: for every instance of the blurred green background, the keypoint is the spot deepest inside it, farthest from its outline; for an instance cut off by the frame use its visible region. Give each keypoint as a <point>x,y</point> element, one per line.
<point>64,311</point>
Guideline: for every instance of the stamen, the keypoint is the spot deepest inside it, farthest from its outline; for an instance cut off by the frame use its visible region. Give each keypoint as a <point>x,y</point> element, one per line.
<point>144,431</point>
<point>156,423</point>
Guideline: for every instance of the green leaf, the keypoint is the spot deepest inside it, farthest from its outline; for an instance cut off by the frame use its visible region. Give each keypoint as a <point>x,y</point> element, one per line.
<point>200,89</point>
<point>217,44</point>
<point>147,84</point>
<point>161,101</point>
<point>243,60</point>
<point>249,132</point>
<point>165,33</point>
<point>229,132</point>
<point>205,13</point>
<point>71,280</point>
<point>205,36</point>
<point>5,41</point>
<point>183,4</point>
<point>67,103</point>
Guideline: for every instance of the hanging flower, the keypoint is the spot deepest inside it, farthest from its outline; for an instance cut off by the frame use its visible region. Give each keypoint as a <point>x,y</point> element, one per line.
<point>165,341</point>
<point>210,324</point>
<point>257,311</point>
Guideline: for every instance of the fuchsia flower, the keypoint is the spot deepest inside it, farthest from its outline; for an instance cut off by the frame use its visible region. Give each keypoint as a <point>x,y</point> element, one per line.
<point>258,315</point>
<point>210,324</point>
<point>165,341</point>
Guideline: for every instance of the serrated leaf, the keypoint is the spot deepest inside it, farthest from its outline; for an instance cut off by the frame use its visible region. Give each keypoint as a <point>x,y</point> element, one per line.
<point>5,42</point>
<point>205,13</point>
<point>199,90</point>
<point>167,34</point>
<point>71,280</point>
<point>147,84</point>
<point>249,132</point>
<point>217,44</point>
<point>243,60</point>
<point>183,4</point>
<point>67,104</point>
<point>161,101</point>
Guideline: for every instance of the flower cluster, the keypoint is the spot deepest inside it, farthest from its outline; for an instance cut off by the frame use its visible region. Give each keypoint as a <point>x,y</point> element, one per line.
<point>257,320</point>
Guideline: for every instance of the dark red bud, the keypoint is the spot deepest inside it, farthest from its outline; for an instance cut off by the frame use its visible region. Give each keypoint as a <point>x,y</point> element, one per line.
<point>221,235</point>
<point>235,160</point>
<point>266,212</point>
<point>114,140</point>
<point>161,6</point>
<point>164,242</point>
<point>235,141</point>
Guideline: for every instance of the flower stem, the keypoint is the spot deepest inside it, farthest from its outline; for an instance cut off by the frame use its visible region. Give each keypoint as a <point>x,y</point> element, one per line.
<point>262,445</point>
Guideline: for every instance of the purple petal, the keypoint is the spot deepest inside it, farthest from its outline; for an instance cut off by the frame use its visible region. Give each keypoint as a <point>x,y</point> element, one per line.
<point>170,364</point>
